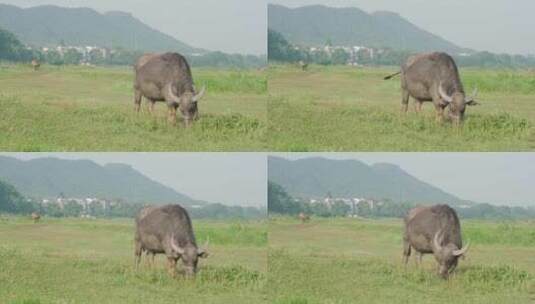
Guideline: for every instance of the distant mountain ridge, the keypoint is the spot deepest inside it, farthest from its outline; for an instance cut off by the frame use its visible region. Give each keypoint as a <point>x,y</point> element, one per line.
<point>316,24</point>
<point>50,25</point>
<point>316,177</point>
<point>50,177</point>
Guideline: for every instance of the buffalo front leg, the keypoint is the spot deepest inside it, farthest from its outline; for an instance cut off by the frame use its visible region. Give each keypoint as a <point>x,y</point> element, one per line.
<point>153,255</point>
<point>151,106</point>
<point>439,112</point>
<point>171,266</point>
<point>418,106</point>
<point>171,117</point>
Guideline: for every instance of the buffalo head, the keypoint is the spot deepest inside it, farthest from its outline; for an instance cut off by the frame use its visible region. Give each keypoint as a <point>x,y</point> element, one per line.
<point>190,255</point>
<point>187,103</point>
<point>457,103</point>
<point>447,255</point>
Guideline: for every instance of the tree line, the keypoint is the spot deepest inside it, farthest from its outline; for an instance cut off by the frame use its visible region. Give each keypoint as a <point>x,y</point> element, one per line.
<point>13,50</point>
<point>12,202</point>
<point>281,50</point>
<point>280,202</point>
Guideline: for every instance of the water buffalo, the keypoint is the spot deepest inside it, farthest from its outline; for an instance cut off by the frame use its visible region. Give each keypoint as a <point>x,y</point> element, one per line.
<point>167,229</point>
<point>36,64</point>
<point>35,217</point>
<point>303,65</point>
<point>435,229</point>
<point>434,77</point>
<point>167,77</point>
<point>304,217</point>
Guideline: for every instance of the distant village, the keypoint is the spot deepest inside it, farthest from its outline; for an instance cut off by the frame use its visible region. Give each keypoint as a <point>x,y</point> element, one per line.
<point>88,55</point>
<point>352,55</point>
<point>83,207</point>
<point>358,206</point>
<point>354,204</point>
<point>92,207</point>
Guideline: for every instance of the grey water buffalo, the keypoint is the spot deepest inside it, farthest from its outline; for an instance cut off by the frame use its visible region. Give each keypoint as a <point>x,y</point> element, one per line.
<point>35,64</point>
<point>435,230</point>
<point>434,77</point>
<point>168,230</point>
<point>303,65</point>
<point>304,217</point>
<point>167,78</point>
<point>35,217</point>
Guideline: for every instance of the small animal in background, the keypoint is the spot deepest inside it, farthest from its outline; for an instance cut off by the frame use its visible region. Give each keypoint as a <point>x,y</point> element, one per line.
<point>304,217</point>
<point>303,65</point>
<point>36,64</point>
<point>36,217</point>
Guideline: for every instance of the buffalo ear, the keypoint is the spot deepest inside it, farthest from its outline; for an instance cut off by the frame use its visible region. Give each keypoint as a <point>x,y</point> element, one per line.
<point>202,253</point>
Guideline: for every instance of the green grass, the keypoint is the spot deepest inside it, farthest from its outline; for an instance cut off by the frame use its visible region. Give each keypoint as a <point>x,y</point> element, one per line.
<point>352,109</point>
<point>359,261</point>
<point>91,261</point>
<point>91,109</point>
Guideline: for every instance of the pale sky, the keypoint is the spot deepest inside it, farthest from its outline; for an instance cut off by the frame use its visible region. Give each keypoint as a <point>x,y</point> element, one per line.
<point>228,178</point>
<point>495,178</point>
<point>499,26</point>
<point>232,26</point>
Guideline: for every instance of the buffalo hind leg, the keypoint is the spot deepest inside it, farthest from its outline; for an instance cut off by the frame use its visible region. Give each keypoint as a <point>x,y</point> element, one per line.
<point>137,253</point>
<point>404,100</point>
<point>137,100</point>
<point>406,251</point>
<point>419,256</point>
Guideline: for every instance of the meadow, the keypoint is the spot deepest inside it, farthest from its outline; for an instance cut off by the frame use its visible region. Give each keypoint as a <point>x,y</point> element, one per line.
<point>342,108</point>
<point>74,108</point>
<point>360,261</point>
<point>92,261</point>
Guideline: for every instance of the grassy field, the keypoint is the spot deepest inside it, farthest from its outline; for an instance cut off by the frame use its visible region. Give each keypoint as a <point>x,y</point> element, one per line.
<point>91,261</point>
<point>92,109</point>
<point>339,108</point>
<point>359,261</point>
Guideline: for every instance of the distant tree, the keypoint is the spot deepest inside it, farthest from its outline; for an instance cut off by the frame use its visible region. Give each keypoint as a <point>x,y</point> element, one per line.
<point>72,57</point>
<point>53,57</point>
<point>340,57</point>
<point>11,201</point>
<point>279,49</point>
<point>12,49</point>
<point>279,201</point>
<point>321,57</point>
<point>340,208</point>
<point>96,57</point>
<point>72,209</point>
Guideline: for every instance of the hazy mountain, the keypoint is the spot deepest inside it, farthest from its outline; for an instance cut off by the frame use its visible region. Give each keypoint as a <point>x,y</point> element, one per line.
<point>50,177</point>
<point>51,25</point>
<point>316,177</point>
<point>317,25</point>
